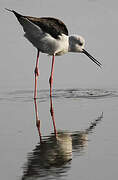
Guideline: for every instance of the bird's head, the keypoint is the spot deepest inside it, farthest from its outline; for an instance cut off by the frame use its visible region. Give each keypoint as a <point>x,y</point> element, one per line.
<point>77,43</point>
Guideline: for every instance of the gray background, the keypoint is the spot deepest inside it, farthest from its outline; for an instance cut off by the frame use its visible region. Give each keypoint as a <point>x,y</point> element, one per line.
<point>95,20</point>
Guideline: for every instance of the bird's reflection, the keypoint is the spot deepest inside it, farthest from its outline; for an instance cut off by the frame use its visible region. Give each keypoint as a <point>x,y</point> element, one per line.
<point>37,119</point>
<point>52,156</point>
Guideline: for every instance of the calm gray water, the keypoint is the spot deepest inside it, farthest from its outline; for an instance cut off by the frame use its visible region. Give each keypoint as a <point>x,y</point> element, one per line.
<point>84,142</point>
<point>84,146</point>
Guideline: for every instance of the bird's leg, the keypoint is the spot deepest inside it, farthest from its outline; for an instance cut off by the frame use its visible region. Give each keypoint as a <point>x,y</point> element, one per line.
<point>51,76</point>
<point>36,74</point>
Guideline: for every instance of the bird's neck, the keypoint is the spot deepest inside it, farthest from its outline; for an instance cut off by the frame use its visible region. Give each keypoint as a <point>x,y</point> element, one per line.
<point>71,47</point>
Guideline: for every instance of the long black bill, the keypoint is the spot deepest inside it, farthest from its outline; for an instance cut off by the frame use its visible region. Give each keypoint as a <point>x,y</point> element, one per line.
<point>92,58</point>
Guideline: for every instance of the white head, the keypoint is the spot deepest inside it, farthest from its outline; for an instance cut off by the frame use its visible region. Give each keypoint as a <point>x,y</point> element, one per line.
<point>76,44</point>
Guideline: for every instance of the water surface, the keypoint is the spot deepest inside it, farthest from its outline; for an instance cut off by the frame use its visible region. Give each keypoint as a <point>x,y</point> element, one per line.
<point>84,138</point>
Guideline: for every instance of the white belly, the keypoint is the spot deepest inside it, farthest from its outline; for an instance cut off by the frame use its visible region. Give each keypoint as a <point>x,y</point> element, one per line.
<point>49,45</point>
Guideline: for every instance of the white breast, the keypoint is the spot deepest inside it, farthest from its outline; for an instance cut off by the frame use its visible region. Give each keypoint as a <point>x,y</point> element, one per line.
<point>53,46</point>
<point>63,45</point>
<point>44,41</point>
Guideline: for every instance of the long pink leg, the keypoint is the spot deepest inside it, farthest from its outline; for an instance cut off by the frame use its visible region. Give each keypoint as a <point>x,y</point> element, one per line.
<point>51,77</point>
<point>36,75</point>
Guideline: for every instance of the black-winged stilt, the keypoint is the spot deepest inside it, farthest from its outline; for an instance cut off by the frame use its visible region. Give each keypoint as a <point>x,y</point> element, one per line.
<point>50,35</point>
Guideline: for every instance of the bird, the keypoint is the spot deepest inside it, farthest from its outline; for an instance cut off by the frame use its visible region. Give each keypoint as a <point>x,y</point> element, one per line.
<point>50,35</point>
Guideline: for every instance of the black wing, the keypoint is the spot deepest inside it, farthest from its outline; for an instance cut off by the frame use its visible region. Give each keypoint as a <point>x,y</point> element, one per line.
<point>52,26</point>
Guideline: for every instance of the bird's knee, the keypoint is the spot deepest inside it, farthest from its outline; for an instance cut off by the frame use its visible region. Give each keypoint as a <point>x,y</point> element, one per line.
<point>36,71</point>
<point>50,80</point>
<point>38,123</point>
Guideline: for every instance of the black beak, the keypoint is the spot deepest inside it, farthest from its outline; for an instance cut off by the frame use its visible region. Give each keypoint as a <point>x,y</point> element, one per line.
<point>92,58</point>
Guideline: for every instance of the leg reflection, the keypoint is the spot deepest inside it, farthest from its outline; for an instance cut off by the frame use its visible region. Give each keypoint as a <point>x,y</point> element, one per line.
<point>52,115</point>
<point>51,158</point>
<point>37,119</point>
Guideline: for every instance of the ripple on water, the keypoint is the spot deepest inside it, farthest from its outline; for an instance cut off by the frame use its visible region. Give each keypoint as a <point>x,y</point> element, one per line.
<point>43,95</point>
<point>84,93</point>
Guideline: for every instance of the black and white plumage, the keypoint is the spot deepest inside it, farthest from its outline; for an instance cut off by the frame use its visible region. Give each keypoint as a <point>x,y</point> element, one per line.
<point>50,35</point>
<point>47,34</point>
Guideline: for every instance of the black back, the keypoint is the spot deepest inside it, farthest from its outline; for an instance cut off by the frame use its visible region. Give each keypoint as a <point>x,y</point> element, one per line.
<point>52,26</point>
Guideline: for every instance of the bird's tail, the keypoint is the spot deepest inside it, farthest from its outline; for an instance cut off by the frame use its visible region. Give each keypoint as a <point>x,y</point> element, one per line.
<point>15,13</point>
<point>9,10</point>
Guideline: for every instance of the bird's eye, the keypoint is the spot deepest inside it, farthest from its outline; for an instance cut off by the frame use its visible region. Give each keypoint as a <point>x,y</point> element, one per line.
<point>80,43</point>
